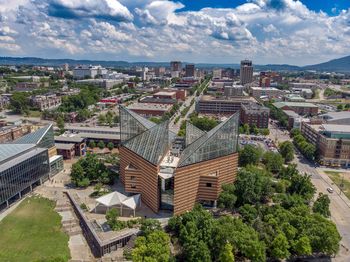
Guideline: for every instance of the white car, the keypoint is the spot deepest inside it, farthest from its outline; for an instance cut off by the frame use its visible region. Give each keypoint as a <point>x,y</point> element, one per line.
<point>330,190</point>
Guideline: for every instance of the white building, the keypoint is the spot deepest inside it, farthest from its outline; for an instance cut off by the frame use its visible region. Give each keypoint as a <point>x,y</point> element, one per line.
<point>83,71</point>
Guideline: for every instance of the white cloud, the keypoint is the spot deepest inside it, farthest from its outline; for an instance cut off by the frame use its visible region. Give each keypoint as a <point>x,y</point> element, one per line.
<point>108,9</point>
<point>268,31</point>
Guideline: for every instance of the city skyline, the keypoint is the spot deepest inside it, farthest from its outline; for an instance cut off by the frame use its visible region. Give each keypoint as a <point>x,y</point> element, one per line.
<point>266,31</point>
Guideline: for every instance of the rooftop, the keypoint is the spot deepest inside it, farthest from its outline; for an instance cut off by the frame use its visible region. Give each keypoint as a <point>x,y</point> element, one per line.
<point>336,115</point>
<point>336,128</point>
<point>62,146</point>
<point>264,88</point>
<point>150,106</point>
<point>294,104</point>
<point>165,93</point>
<point>8,151</point>
<point>72,139</point>
<point>230,99</point>
<point>92,129</point>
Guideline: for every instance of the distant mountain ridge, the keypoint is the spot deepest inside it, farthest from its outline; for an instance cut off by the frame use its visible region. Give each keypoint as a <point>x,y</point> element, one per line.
<point>341,65</point>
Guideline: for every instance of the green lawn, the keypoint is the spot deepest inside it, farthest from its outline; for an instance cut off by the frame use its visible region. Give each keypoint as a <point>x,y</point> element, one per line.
<point>32,232</point>
<point>33,113</point>
<point>337,179</point>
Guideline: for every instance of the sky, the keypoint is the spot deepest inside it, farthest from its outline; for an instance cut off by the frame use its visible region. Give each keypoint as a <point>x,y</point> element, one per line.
<point>298,32</point>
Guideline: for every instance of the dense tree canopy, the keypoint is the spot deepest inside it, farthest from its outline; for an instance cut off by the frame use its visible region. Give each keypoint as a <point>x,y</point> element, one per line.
<point>273,161</point>
<point>321,205</point>
<point>90,169</point>
<point>249,155</point>
<point>287,151</point>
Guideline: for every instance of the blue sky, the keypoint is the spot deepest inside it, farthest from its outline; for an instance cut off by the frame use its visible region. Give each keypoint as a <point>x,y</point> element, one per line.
<point>209,31</point>
<point>315,5</point>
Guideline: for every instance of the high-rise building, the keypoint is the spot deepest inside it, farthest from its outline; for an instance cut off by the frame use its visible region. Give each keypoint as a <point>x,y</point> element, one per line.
<point>175,66</point>
<point>246,72</point>
<point>217,74</point>
<point>190,70</point>
<point>174,176</point>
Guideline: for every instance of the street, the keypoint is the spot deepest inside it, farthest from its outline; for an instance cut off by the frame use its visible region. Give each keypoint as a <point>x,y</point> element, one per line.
<point>340,204</point>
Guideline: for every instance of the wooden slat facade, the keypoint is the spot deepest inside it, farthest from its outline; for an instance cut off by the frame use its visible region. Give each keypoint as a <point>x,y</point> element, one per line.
<point>191,181</point>
<point>142,178</point>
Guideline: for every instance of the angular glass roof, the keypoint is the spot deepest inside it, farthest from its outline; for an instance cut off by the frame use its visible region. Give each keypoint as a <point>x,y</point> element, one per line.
<point>132,124</point>
<point>43,137</point>
<point>220,141</point>
<point>151,144</point>
<point>192,133</point>
<point>8,151</point>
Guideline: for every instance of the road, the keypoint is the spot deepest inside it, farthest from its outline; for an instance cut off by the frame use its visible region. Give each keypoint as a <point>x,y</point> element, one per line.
<point>176,127</point>
<point>340,204</point>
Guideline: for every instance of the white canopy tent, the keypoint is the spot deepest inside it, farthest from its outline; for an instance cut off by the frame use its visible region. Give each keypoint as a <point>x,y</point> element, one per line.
<point>132,202</point>
<point>116,198</point>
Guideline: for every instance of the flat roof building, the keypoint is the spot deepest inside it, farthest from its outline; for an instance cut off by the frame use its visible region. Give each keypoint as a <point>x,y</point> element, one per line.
<point>221,106</point>
<point>332,142</point>
<point>150,109</point>
<point>173,177</point>
<point>26,163</point>
<point>300,108</point>
<point>269,92</point>
<point>254,114</point>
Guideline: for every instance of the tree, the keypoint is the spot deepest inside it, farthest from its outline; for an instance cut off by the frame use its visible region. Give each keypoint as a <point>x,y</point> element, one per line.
<point>265,131</point>
<point>302,185</point>
<point>77,173</point>
<point>60,124</point>
<point>101,144</point>
<point>249,155</point>
<point>110,146</point>
<point>152,248</point>
<point>149,225</point>
<point>251,188</point>
<point>287,151</point>
<point>248,213</point>
<point>19,102</point>
<point>302,246</point>
<point>226,254</point>
<point>246,129</point>
<point>321,205</point>
<point>101,119</point>
<point>227,197</point>
<point>280,247</point>
<point>273,161</point>
<point>92,144</point>
<point>340,107</point>
<point>294,132</point>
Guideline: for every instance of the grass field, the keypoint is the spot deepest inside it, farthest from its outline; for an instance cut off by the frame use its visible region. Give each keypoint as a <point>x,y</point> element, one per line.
<point>337,178</point>
<point>32,232</point>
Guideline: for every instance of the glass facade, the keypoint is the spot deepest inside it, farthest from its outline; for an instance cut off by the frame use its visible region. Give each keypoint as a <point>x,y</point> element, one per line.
<point>43,137</point>
<point>22,172</point>
<point>220,141</point>
<point>152,144</point>
<point>132,124</point>
<point>192,133</point>
<point>166,188</point>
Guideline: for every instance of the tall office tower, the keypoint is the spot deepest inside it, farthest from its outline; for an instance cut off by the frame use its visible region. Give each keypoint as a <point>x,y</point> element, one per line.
<point>189,70</point>
<point>175,66</point>
<point>246,72</point>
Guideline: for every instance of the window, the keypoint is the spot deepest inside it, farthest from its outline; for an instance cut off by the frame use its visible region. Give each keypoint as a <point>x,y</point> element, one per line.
<point>133,186</point>
<point>132,178</point>
<point>208,184</point>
